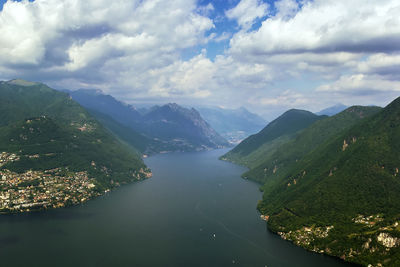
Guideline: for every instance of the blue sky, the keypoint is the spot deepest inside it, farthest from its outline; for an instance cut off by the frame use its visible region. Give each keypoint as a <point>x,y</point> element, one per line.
<point>268,56</point>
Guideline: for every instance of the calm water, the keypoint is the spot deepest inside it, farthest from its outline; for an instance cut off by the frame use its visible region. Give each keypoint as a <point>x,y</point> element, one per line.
<point>195,211</point>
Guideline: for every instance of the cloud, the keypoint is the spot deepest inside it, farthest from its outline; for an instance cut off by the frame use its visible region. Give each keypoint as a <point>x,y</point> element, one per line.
<point>75,37</point>
<point>323,26</point>
<point>184,78</point>
<point>206,10</point>
<point>286,99</point>
<point>286,9</point>
<point>247,11</point>
<point>304,54</point>
<point>19,43</point>
<point>222,37</point>
<point>387,65</point>
<point>360,84</point>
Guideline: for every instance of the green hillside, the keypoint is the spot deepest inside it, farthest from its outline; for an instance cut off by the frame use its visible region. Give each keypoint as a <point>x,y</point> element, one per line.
<point>253,149</point>
<point>125,134</point>
<point>280,160</point>
<point>343,197</point>
<point>45,132</point>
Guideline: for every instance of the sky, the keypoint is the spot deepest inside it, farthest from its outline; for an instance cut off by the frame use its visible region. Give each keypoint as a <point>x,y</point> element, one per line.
<point>267,56</point>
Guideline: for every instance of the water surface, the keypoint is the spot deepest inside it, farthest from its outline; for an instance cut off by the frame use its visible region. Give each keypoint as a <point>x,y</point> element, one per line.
<point>194,211</point>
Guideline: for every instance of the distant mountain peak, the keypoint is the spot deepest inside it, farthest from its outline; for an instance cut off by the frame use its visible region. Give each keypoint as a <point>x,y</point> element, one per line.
<point>333,110</point>
<point>91,91</point>
<point>173,106</point>
<point>169,127</point>
<point>295,110</point>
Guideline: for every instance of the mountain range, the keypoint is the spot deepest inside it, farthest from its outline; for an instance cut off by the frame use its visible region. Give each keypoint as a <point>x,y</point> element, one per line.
<point>334,186</point>
<point>330,182</point>
<point>161,128</point>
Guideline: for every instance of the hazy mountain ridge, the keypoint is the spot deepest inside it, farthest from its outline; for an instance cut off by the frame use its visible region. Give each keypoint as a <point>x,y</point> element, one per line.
<point>176,121</point>
<point>232,124</point>
<point>166,128</point>
<point>333,110</point>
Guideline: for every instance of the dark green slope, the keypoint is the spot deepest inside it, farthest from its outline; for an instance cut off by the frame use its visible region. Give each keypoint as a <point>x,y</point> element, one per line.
<point>288,123</point>
<point>258,146</point>
<point>47,129</point>
<point>285,157</point>
<point>137,141</point>
<point>19,101</point>
<point>350,182</point>
<point>122,132</point>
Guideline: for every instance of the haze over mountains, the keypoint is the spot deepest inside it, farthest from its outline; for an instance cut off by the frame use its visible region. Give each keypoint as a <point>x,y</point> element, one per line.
<point>233,124</point>
<point>169,127</point>
<point>333,110</point>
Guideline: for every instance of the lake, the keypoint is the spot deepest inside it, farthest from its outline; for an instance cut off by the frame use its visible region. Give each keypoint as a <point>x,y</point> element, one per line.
<point>194,211</point>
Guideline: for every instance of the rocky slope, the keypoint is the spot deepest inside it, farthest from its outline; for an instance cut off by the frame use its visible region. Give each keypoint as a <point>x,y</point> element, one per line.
<point>163,128</point>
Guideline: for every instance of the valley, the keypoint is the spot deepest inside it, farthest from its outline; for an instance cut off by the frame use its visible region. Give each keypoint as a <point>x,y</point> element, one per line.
<point>203,133</point>
<point>57,154</point>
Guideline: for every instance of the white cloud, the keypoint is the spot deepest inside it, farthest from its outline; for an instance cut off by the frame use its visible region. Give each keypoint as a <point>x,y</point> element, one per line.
<point>89,30</point>
<point>329,26</point>
<point>307,55</point>
<point>286,99</point>
<point>206,10</point>
<point>286,8</point>
<point>344,51</point>
<point>222,37</point>
<point>247,11</point>
<point>383,64</point>
<point>123,46</point>
<point>19,43</point>
<point>184,78</point>
<point>360,84</point>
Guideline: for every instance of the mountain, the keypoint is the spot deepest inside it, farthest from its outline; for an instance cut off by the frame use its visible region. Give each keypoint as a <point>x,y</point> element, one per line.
<point>232,124</point>
<point>330,111</point>
<point>54,153</point>
<point>124,133</point>
<point>258,146</point>
<point>342,198</point>
<point>106,104</point>
<point>162,128</point>
<point>182,126</point>
<point>288,154</point>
